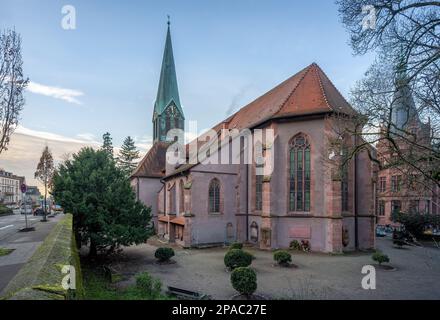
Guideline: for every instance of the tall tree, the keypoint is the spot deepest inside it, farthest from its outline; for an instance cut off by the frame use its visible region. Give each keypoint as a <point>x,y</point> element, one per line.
<point>105,211</point>
<point>405,34</point>
<point>107,144</point>
<point>128,156</point>
<point>12,84</point>
<point>44,174</point>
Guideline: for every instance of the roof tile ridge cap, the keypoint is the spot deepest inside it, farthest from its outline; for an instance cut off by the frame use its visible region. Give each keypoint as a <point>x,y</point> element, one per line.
<point>306,71</point>
<point>321,86</point>
<point>337,90</point>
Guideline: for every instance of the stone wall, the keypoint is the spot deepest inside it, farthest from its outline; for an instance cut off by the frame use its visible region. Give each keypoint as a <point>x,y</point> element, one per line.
<point>42,276</point>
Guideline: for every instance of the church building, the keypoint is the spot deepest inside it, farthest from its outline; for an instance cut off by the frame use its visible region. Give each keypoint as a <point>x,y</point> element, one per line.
<point>307,195</point>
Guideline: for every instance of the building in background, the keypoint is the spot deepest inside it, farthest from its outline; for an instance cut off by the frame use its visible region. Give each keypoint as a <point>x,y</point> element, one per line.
<point>10,193</point>
<point>34,194</point>
<point>399,187</point>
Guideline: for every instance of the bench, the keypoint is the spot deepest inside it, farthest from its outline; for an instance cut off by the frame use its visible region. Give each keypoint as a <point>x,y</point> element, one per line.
<point>187,294</point>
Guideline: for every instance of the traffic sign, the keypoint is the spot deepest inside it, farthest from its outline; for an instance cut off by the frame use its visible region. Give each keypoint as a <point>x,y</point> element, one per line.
<point>23,188</point>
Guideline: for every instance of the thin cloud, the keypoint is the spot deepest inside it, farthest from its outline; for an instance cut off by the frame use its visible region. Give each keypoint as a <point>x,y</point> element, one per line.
<point>68,95</point>
<point>87,137</point>
<point>24,150</point>
<point>44,135</point>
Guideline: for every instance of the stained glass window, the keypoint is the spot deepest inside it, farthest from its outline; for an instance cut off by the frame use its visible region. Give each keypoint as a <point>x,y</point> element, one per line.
<point>214,196</point>
<point>299,178</point>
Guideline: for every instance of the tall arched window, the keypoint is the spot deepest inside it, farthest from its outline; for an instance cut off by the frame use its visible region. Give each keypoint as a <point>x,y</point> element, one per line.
<point>172,199</point>
<point>299,177</point>
<point>181,197</point>
<point>214,196</point>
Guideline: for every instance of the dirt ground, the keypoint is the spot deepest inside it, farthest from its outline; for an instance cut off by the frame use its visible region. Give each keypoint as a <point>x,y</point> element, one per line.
<point>318,276</point>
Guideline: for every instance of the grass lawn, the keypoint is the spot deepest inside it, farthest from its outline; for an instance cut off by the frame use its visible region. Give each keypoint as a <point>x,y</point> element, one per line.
<point>4,251</point>
<point>98,287</point>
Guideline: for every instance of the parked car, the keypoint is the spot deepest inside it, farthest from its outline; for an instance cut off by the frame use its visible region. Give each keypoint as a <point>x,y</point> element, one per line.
<point>38,212</point>
<point>26,209</point>
<point>381,231</point>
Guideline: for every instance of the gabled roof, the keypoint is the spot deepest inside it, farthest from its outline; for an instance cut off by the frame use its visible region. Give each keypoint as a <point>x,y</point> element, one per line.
<point>309,91</point>
<point>154,162</point>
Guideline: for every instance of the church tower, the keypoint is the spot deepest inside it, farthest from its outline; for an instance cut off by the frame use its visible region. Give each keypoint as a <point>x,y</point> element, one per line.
<point>168,112</point>
<point>403,112</point>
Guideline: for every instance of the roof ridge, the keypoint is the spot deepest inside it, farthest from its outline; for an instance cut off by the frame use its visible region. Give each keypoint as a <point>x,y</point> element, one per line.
<point>337,90</point>
<point>321,86</point>
<point>306,71</point>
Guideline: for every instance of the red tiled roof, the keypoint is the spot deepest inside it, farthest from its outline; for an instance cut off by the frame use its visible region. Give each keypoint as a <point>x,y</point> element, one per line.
<point>153,164</point>
<point>308,91</point>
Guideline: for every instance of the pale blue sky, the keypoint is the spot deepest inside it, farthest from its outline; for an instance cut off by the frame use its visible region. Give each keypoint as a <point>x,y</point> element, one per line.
<point>227,54</point>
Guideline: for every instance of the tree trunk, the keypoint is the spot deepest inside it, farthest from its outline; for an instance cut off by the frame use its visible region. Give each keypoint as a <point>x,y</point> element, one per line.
<point>78,240</point>
<point>45,201</point>
<point>92,252</point>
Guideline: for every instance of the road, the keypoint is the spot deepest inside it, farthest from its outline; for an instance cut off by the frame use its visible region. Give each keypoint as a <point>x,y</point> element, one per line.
<point>11,224</point>
<point>23,243</point>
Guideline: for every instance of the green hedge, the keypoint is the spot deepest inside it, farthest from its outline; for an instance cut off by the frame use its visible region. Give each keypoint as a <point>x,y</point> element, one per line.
<point>5,210</point>
<point>41,277</point>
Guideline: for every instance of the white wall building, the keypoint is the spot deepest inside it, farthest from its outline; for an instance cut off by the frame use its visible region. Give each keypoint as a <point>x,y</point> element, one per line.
<point>10,193</point>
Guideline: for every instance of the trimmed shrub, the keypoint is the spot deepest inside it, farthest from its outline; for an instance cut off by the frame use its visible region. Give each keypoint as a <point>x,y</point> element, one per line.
<point>282,257</point>
<point>164,254</point>
<point>244,280</point>
<point>380,257</point>
<point>147,285</point>
<point>236,245</point>
<point>236,258</point>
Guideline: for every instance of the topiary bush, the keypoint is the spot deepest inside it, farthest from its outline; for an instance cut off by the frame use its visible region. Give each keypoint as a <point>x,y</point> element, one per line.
<point>164,254</point>
<point>236,258</point>
<point>148,286</point>
<point>282,257</point>
<point>236,245</point>
<point>380,257</point>
<point>244,280</point>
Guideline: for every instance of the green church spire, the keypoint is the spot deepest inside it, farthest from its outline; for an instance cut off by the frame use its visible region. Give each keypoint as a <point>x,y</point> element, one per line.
<point>168,113</point>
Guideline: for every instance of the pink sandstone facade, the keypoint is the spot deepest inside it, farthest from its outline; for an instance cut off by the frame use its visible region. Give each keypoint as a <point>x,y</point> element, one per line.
<point>180,197</point>
<point>303,195</point>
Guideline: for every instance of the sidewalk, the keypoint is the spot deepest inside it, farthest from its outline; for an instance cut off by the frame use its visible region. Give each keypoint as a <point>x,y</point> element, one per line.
<point>25,244</point>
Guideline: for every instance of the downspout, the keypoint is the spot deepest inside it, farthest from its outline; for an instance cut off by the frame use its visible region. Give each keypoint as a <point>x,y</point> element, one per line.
<point>164,196</point>
<point>165,204</point>
<point>247,202</point>
<point>356,231</point>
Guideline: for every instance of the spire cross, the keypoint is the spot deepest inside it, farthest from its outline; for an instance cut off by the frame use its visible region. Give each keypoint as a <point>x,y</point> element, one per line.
<point>168,19</point>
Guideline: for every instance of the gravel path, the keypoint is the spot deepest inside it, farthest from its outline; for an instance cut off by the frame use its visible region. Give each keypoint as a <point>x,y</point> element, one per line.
<point>318,276</point>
